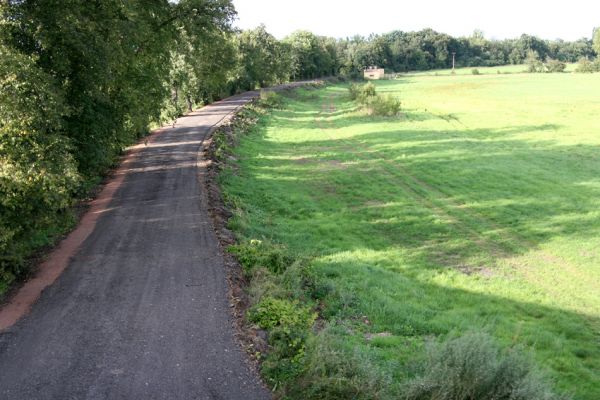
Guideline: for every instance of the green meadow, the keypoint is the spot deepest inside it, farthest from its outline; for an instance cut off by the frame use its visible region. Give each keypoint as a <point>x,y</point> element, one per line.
<point>502,69</point>
<point>477,208</point>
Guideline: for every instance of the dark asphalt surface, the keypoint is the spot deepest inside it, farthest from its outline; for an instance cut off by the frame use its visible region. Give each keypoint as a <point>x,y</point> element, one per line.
<point>141,312</point>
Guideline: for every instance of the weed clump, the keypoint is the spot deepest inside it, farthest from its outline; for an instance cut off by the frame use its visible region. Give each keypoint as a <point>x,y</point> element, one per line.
<point>475,71</point>
<point>473,367</point>
<point>256,253</point>
<point>336,369</point>
<point>288,323</point>
<point>288,315</point>
<point>281,291</point>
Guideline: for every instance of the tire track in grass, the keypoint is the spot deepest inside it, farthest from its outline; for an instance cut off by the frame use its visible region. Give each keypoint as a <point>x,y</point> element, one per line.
<point>518,242</point>
<point>483,245</point>
<point>492,248</point>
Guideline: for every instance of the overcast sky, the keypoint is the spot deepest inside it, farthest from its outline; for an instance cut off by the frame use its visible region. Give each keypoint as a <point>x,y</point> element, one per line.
<point>499,19</point>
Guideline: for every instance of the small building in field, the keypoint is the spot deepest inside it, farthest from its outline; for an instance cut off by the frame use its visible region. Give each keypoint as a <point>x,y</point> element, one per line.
<point>374,73</point>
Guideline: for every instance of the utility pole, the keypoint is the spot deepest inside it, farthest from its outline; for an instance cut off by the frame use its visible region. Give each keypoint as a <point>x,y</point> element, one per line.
<point>453,54</point>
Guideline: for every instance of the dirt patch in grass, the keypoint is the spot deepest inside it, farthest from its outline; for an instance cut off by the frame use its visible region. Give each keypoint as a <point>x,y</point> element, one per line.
<point>303,161</point>
<point>329,165</point>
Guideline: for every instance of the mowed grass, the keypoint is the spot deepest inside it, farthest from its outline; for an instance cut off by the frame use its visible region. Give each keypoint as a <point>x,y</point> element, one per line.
<point>477,209</point>
<point>501,69</point>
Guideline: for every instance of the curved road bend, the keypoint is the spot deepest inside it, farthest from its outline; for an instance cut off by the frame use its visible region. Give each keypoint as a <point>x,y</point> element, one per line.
<point>141,312</point>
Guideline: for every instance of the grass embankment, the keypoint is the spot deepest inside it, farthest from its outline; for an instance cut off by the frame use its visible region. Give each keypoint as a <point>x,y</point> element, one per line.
<point>476,209</point>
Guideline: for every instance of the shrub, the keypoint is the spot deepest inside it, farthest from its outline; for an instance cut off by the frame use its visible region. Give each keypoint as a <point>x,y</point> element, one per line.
<point>335,369</point>
<point>354,90</point>
<point>368,90</point>
<point>586,66</point>
<point>375,104</point>
<point>362,93</point>
<point>270,99</point>
<point>383,105</point>
<point>473,367</point>
<point>256,253</point>
<point>302,281</point>
<point>475,71</point>
<point>270,313</point>
<point>289,325</point>
<point>555,66</point>
<point>534,64</point>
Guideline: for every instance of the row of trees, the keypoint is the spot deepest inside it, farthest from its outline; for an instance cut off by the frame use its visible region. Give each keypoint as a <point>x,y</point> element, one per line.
<point>427,49</point>
<point>305,55</point>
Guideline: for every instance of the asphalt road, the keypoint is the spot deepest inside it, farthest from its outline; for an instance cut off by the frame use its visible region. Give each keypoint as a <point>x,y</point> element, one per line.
<point>141,311</point>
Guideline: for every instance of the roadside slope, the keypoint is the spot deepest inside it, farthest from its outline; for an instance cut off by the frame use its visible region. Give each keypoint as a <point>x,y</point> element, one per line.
<point>141,311</point>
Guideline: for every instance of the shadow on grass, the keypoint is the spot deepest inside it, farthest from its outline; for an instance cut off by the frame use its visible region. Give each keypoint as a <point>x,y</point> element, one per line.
<point>383,226</point>
<point>407,308</point>
<point>388,213</point>
<point>439,173</point>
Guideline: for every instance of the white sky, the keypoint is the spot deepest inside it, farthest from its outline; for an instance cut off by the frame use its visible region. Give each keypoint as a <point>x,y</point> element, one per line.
<point>499,19</point>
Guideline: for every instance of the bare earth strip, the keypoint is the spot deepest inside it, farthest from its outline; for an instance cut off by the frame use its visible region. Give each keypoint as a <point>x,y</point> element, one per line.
<point>141,310</point>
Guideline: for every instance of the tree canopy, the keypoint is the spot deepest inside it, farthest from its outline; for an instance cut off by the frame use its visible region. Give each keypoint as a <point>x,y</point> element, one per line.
<point>79,81</point>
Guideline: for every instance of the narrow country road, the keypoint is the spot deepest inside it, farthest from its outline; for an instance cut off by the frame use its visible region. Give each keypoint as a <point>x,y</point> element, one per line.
<point>141,311</point>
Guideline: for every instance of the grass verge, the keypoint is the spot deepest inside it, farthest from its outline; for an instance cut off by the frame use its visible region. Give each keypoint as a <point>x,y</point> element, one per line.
<point>329,217</point>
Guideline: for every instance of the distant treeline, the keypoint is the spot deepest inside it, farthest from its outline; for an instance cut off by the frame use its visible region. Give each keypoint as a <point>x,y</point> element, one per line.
<point>81,80</point>
<point>427,49</point>
<point>397,51</point>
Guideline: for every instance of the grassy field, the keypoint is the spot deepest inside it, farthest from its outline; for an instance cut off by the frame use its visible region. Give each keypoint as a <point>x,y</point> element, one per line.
<point>502,69</point>
<point>477,208</point>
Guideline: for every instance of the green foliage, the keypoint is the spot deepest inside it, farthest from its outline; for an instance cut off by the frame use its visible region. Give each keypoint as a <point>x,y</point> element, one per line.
<point>386,105</point>
<point>474,367</point>
<point>534,63</point>
<point>418,228</point>
<point>288,324</point>
<point>262,59</point>
<point>555,66</point>
<point>119,64</point>
<point>475,71</point>
<point>80,81</point>
<point>587,66</point>
<point>596,41</point>
<point>368,90</point>
<point>270,99</point>
<point>336,369</point>
<point>362,93</point>
<point>427,49</point>
<point>285,314</point>
<point>354,90</point>
<point>375,104</point>
<point>256,253</point>
<point>38,175</point>
<point>311,56</point>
